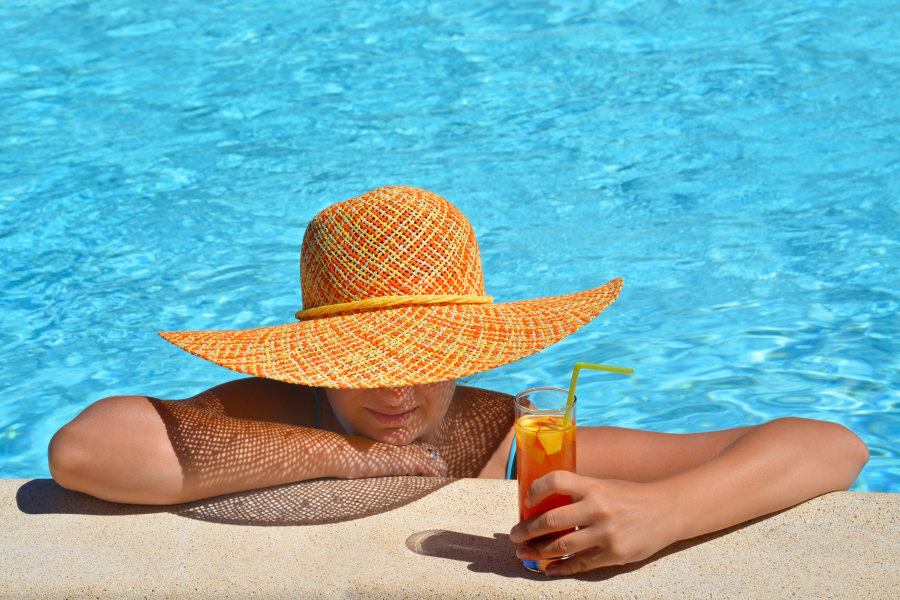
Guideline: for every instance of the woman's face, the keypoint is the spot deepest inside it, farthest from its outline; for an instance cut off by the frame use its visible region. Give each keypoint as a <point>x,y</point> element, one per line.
<point>394,415</point>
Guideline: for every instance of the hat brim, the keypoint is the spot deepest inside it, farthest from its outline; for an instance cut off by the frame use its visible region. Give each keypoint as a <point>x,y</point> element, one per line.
<point>405,345</point>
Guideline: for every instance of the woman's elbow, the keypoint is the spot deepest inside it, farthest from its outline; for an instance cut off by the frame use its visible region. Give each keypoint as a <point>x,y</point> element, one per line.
<point>75,464</point>
<point>858,450</point>
<point>117,450</point>
<point>849,454</point>
<point>67,459</point>
<point>831,451</point>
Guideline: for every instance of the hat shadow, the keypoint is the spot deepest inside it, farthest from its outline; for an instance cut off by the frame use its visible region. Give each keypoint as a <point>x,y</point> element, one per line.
<point>497,554</point>
<point>313,502</point>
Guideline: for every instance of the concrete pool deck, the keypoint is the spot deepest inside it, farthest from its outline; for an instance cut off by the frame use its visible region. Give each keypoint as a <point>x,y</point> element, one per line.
<point>413,537</point>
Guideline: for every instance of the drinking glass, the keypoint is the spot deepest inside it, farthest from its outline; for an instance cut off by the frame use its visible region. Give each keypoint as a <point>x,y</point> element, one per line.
<point>545,442</point>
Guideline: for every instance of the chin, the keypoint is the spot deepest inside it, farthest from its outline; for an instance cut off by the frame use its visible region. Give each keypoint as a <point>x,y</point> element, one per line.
<point>395,437</point>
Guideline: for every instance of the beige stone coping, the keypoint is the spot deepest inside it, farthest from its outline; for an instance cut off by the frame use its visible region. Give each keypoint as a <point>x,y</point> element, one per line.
<point>407,537</point>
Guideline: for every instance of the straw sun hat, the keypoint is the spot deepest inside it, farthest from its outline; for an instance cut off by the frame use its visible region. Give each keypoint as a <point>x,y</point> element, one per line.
<point>393,295</point>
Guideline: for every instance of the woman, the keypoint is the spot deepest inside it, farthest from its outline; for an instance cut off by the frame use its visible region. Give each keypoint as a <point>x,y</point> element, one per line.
<point>364,384</point>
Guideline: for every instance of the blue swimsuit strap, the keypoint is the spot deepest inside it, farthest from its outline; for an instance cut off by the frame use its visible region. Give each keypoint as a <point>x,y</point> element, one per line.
<point>511,462</point>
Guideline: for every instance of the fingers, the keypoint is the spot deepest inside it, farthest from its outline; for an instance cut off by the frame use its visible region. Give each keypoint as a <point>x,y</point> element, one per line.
<point>439,468</point>
<point>618,522</point>
<point>555,520</point>
<point>374,459</point>
<point>427,461</point>
<point>433,465</point>
<point>556,546</point>
<point>576,564</point>
<point>589,550</point>
<point>586,555</point>
<point>558,519</point>
<point>594,558</point>
<point>557,482</point>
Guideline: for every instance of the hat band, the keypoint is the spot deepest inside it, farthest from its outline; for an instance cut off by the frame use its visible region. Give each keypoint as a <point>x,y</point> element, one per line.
<point>385,301</point>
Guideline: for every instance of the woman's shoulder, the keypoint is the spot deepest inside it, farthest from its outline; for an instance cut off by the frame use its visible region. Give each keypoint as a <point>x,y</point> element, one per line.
<point>258,399</point>
<point>482,405</point>
<point>481,424</point>
<point>474,394</point>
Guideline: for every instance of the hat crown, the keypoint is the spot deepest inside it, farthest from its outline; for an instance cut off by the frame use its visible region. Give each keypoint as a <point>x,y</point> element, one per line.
<point>393,241</point>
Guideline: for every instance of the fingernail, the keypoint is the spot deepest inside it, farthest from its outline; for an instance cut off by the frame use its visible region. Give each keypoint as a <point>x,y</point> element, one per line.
<point>552,570</point>
<point>522,552</point>
<point>514,535</point>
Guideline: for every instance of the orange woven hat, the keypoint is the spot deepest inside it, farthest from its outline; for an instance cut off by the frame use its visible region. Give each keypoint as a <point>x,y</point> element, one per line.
<point>393,295</point>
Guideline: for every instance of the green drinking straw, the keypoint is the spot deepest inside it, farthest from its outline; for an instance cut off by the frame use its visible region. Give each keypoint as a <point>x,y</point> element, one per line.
<point>583,365</point>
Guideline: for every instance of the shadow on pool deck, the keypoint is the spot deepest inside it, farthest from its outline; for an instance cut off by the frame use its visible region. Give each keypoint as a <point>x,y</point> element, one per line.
<point>497,554</point>
<point>315,502</point>
<point>326,501</point>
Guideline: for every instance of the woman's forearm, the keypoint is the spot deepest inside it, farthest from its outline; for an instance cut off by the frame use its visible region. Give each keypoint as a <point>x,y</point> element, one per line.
<point>145,451</point>
<point>220,455</point>
<point>772,467</point>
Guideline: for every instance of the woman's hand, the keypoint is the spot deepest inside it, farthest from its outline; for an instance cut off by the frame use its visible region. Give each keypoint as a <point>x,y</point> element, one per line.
<point>768,468</point>
<point>619,522</point>
<point>374,459</point>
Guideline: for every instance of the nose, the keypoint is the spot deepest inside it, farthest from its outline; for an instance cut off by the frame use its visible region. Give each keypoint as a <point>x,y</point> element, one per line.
<point>395,396</point>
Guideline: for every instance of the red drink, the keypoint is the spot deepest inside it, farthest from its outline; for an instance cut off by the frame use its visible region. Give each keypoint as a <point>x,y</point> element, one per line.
<point>545,442</point>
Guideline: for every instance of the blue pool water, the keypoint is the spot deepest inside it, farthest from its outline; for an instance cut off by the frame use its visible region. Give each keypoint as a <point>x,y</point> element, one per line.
<point>737,163</point>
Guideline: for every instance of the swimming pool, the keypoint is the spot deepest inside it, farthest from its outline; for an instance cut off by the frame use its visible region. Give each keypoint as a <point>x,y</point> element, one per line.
<point>736,164</point>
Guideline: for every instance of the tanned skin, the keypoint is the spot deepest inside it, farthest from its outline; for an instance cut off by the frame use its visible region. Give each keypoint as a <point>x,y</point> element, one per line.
<point>634,492</point>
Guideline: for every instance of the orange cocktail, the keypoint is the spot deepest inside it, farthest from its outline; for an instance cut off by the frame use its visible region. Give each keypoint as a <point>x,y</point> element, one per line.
<point>545,442</point>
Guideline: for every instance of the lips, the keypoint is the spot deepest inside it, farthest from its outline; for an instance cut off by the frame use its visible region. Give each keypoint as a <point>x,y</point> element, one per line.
<point>391,419</point>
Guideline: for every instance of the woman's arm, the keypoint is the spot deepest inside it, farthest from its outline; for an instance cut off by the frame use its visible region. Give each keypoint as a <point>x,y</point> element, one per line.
<point>140,450</point>
<point>768,468</point>
<point>774,466</point>
<point>644,456</point>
